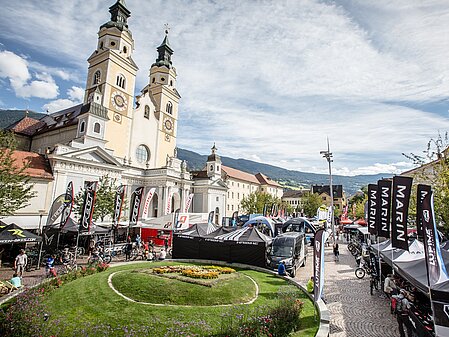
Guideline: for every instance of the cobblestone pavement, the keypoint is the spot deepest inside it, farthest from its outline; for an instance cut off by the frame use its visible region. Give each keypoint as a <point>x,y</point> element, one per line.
<point>354,312</point>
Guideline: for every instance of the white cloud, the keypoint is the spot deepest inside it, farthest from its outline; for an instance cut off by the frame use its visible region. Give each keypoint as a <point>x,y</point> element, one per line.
<point>75,96</point>
<point>15,68</point>
<point>58,104</point>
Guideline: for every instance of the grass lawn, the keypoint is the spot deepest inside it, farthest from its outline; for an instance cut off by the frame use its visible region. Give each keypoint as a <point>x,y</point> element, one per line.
<point>89,302</point>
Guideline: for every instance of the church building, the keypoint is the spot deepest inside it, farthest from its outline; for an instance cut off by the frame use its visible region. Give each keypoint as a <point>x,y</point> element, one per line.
<point>130,139</point>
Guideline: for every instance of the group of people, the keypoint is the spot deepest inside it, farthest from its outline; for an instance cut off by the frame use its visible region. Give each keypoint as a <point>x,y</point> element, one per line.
<point>400,302</point>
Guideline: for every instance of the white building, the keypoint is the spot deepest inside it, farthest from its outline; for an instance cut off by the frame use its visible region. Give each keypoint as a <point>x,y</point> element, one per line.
<point>228,185</point>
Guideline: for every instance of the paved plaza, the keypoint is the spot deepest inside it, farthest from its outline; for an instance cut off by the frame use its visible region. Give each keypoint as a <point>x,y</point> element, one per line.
<point>354,312</point>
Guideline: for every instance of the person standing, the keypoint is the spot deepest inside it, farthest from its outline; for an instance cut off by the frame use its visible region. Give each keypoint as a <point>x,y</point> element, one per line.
<point>91,247</point>
<point>402,309</point>
<point>138,241</point>
<point>20,262</point>
<point>166,244</point>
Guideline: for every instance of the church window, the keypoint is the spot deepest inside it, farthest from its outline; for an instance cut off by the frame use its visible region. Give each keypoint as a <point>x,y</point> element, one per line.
<point>142,154</point>
<point>163,79</point>
<point>97,127</point>
<point>120,81</point>
<point>97,77</point>
<point>153,80</point>
<point>218,168</point>
<point>216,199</point>
<point>169,108</point>
<point>146,113</point>
<point>82,126</point>
<point>212,167</point>
<point>171,83</point>
<point>112,43</point>
<point>101,45</point>
<point>125,50</point>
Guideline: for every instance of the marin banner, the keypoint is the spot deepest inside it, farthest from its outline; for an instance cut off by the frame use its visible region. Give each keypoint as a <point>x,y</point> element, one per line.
<point>402,187</point>
<point>318,263</point>
<point>88,206</point>
<point>372,209</point>
<point>383,211</point>
<point>68,205</point>
<point>55,210</point>
<point>436,270</point>
<point>136,200</point>
<point>118,203</point>
<point>422,191</point>
<point>146,205</point>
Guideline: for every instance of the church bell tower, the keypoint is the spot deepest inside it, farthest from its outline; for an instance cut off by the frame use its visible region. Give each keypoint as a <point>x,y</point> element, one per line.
<point>112,72</point>
<point>166,97</point>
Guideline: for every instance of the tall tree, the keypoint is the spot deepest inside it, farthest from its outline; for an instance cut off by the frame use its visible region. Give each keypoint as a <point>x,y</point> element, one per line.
<point>104,201</point>
<point>255,202</point>
<point>15,186</point>
<point>434,170</point>
<point>311,202</point>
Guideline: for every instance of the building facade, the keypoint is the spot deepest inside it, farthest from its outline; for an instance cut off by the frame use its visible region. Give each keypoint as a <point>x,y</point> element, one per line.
<point>235,185</point>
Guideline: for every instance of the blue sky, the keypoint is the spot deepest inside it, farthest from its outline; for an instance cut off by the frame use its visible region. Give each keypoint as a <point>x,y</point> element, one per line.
<point>265,80</point>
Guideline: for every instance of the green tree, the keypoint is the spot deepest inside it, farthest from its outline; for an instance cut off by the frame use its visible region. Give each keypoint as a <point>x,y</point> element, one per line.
<point>255,202</point>
<point>311,202</point>
<point>433,170</point>
<point>104,201</point>
<point>15,186</point>
<point>357,203</point>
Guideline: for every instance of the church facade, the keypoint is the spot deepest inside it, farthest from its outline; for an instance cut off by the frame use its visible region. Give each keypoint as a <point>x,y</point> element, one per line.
<point>130,139</point>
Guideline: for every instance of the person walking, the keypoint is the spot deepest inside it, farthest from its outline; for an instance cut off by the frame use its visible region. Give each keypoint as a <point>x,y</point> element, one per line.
<point>20,263</point>
<point>336,252</point>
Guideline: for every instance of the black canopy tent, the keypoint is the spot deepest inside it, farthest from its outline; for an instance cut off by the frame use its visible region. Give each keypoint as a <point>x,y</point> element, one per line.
<point>246,245</point>
<point>186,243</point>
<point>15,234</point>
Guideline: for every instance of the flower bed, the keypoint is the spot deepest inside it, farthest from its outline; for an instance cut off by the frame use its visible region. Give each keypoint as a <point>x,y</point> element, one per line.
<point>202,272</point>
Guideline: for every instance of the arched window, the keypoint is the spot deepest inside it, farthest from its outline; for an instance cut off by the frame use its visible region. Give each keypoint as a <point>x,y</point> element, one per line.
<point>212,167</point>
<point>125,50</point>
<point>97,77</point>
<point>82,126</point>
<point>169,108</point>
<point>121,81</point>
<point>97,127</point>
<point>146,113</point>
<point>142,154</point>
<point>153,80</point>
<point>171,83</point>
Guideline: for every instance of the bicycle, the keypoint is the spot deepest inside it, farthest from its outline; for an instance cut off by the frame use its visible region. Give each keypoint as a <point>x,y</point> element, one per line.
<point>363,268</point>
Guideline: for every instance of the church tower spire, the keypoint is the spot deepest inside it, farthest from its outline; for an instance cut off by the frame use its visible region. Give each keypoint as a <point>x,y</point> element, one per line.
<point>111,78</point>
<point>166,97</point>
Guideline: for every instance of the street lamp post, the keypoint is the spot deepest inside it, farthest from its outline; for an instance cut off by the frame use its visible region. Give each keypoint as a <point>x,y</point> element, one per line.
<point>328,155</point>
<point>40,232</point>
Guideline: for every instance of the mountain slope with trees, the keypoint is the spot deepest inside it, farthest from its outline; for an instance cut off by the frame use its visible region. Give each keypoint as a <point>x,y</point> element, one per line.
<point>288,178</point>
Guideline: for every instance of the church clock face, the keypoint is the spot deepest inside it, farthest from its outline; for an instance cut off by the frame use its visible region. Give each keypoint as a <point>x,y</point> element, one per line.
<point>169,125</point>
<point>118,101</point>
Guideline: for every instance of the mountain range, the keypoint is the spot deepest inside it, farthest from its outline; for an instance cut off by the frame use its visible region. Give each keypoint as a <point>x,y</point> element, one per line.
<point>288,178</point>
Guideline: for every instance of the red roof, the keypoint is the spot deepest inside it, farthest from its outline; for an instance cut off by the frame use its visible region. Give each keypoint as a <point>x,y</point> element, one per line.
<point>38,167</point>
<point>237,174</point>
<point>264,180</point>
<point>26,126</point>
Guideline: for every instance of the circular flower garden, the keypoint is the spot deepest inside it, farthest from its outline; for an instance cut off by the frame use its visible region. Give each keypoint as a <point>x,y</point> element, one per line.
<point>161,299</point>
